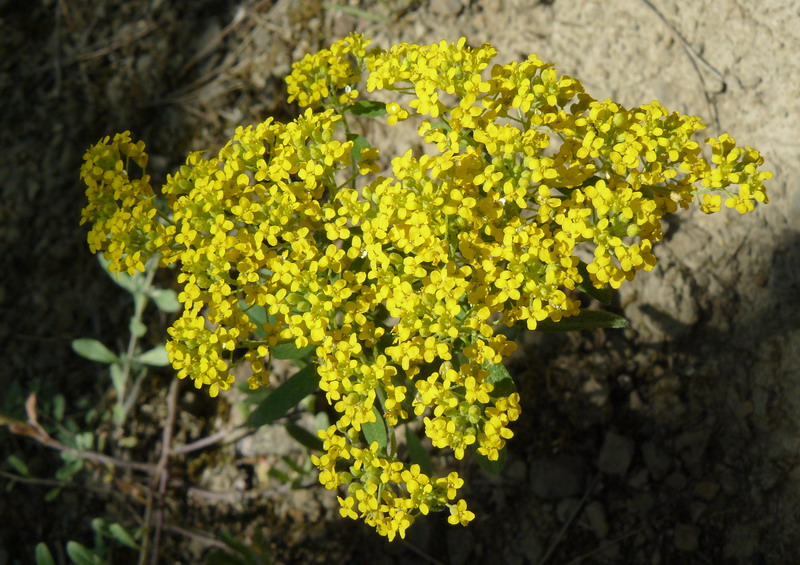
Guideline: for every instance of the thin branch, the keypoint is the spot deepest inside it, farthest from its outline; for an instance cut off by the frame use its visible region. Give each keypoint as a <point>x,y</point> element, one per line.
<point>569,522</point>
<point>162,471</point>
<point>228,436</point>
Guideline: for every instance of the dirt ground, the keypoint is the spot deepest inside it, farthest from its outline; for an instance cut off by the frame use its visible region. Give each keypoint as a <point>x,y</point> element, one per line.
<point>676,441</point>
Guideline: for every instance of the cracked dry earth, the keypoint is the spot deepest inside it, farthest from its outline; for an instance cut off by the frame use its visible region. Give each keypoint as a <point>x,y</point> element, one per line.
<point>676,441</point>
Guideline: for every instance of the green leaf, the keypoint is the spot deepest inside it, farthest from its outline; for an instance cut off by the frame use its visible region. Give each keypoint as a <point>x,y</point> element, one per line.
<point>93,350</point>
<point>117,378</point>
<point>137,328</point>
<point>52,494</point>
<point>156,357</point>
<point>417,453</point>
<point>59,406</point>
<point>376,431</point>
<point>133,284</point>
<point>491,467</point>
<point>501,380</point>
<point>285,397</point>
<point>258,316</point>
<point>165,299</point>
<point>600,294</point>
<point>19,465</point>
<point>359,142</point>
<point>369,108</point>
<point>304,437</point>
<point>43,555</point>
<point>290,351</point>
<point>81,555</point>
<point>586,320</point>
<point>120,534</point>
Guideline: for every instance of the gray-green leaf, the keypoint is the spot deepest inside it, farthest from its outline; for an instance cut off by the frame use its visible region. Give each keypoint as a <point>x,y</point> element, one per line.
<point>93,350</point>
<point>156,357</point>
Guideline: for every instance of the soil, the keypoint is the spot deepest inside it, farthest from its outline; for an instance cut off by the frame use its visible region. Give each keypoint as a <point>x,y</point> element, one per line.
<point>675,441</point>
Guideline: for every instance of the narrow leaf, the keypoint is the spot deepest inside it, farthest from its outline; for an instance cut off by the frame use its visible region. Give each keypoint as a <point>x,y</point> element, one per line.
<point>137,328</point>
<point>417,453</point>
<point>82,555</point>
<point>165,299</point>
<point>19,465</point>
<point>586,320</point>
<point>376,431</point>
<point>52,494</point>
<point>93,350</point>
<point>501,380</point>
<point>133,284</point>
<point>359,142</point>
<point>156,357</point>
<point>491,467</point>
<point>118,378</point>
<point>369,108</point>
<point>304,437</point>
<point>43,555</point>
<point>600,294</point>
<point>285,397</point>
<point>257,315</point>
<point>290,351</point>
<point>117,532</point>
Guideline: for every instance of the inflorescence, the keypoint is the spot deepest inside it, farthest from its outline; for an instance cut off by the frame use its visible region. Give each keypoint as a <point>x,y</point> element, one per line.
<point>401,281</point>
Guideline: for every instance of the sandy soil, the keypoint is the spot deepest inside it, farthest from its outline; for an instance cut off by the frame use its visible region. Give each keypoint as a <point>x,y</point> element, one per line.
<point>675,441</point>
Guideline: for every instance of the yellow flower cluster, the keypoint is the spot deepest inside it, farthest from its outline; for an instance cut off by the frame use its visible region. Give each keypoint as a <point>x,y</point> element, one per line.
<point>401,282</point>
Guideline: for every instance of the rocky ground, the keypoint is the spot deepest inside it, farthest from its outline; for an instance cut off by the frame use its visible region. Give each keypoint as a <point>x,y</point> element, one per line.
<point>675,441</point>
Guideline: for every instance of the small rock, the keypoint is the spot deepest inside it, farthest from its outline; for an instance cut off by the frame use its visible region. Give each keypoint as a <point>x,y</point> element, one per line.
<point>687,537</point>
<point>741,542</point>
<point>561,476</point>
<point>658,461</point>
<point>639,479</point>
<point>706,490</point>
<point>567,509</point>
<point>516,471</point>
<point>676,481</point>
<point>596,515</point>
<point>616,454</point>
<point>460,543</point>
<point>692,445</point>
<point>529,545</point>
<point>643,503</point>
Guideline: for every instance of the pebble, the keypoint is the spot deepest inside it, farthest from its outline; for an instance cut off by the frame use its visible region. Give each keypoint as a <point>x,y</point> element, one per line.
<point>741,541</point>
<point>616,454</point>
<point>596,515</point>
<point>639,479</point>
<point>687,537</point>
<point>692,445</point>
<point>706,490</point>
<point>676,481</point>
<point>460,544</point>
<point>557,477</point>
<point>529,545</point>
<point>658,461</point>
<point>567,509</point>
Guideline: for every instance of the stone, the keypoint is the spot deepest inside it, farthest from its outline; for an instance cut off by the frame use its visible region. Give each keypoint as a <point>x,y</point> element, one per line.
<point>658,461</point>
<point>558,477</point>
<point>460,544</point>
<point>687,537</point>
<point>706,490</point>
<point>596,516</point>
<point>616,454</point>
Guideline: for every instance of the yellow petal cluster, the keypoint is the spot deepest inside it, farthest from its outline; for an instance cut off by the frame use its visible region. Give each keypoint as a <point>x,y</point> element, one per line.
<point>400,283</point>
